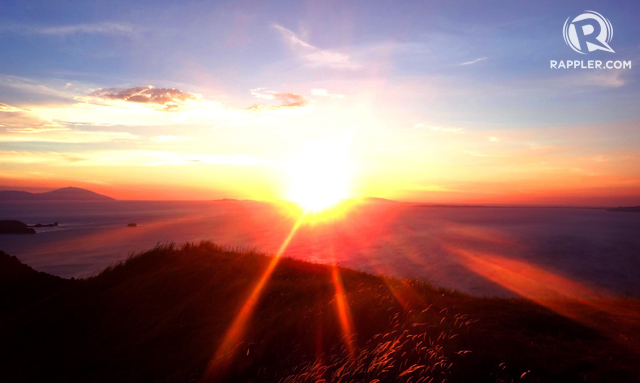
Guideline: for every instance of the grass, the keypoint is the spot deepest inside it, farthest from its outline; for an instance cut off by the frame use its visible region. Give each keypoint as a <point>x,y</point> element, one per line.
<point>160,316</point>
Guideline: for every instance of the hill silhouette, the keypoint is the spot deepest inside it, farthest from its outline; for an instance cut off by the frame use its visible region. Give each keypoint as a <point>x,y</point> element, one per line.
<point>162,315</point>
<point>20,285</point>
<point>64,194</point>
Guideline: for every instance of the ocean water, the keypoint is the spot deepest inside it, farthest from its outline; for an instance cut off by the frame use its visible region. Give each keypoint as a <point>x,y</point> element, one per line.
<point>489,251</point>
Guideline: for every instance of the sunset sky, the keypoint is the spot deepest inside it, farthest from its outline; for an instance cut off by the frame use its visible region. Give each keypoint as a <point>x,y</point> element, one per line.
<point>431,101</point>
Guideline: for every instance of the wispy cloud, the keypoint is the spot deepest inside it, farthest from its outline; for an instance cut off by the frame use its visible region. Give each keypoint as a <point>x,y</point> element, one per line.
<point>476,154</point>
<point>126,158</point>
<point>31,157</point>
<point>606,79</point>
<point>65,30</point>
<point>438,128</point>
<point>35,129</point>
<point>8,108</point>
<point>325,93</point>
<point>473,61</point>
<point>170,139</point>
<point>314,56</point>
<point>63,135</point>
<point>47,89</point>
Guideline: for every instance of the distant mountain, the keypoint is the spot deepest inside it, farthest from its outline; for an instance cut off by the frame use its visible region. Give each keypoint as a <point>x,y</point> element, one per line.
<point>64,194</point>
<point>628,209</point>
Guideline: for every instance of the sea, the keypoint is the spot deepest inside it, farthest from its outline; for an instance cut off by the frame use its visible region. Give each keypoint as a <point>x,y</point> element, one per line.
<point>482,251</point>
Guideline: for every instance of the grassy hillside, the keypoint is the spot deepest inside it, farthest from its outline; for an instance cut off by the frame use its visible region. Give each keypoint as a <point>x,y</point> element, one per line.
<point>162,315</point>
<point>20,285</point>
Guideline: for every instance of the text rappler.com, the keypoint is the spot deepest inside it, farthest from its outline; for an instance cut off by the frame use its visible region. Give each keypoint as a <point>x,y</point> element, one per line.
<point>590,64</point>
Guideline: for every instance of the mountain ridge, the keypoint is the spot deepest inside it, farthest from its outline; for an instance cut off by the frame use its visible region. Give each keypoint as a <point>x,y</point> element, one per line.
<point>62,194</point>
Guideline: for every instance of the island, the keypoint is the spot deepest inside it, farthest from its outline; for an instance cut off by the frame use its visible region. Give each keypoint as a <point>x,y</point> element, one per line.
<point>15,227</point>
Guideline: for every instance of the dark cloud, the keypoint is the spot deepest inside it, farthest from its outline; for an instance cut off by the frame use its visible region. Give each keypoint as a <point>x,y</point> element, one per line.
<point>171,99</point>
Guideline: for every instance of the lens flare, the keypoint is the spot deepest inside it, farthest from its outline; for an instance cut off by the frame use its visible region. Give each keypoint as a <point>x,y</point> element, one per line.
<point>225,351</point>
<point>344,314</point>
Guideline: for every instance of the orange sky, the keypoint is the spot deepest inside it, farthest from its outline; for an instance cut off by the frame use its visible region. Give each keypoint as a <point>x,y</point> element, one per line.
<point>247,154</point>
<point>430,116</point>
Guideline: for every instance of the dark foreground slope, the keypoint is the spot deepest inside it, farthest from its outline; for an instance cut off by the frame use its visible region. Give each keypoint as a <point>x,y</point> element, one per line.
<point>161,315</point>
<point>21,286</point>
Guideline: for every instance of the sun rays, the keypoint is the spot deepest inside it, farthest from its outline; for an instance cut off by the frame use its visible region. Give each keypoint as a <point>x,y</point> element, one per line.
<point>483,253</point>
<point>225,351</point>
<point>344,314</point>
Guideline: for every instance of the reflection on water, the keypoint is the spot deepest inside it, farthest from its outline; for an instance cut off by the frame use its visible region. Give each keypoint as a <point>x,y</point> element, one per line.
<point>483,251</point>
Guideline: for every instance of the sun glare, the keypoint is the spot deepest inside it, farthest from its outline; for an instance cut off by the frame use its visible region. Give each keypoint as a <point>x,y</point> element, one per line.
<point>320,175</point>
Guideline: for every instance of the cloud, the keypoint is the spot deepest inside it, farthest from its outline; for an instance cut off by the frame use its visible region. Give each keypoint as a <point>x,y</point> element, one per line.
<point>429,188</point>
<point>438,128</point>
<point>291,99</point>
<point>63,135</point>
<point>170,139</point>
<point>29,157</point>
<point>476,153</point>
<point>65,30</point>
<point>9,108</point>
<point>171,99</point>
<point>24,120</point>
<point>473,61</point>
<point>109,111</point>
<point>35,129</point>
<point>325,93</point>
<point>608,79</point>
<point>287,100</point>
<point>143,106</point>
<point>30,89</point>
<point>577,80</point>
<point>314,56</point>
<point>126,158</point>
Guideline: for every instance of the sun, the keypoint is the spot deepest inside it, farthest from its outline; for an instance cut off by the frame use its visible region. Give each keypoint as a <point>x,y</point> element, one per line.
<point>319,175</point>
